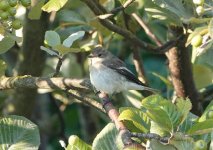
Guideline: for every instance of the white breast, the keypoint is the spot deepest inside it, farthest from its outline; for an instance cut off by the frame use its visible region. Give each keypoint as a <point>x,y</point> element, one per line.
<point>105,79</point>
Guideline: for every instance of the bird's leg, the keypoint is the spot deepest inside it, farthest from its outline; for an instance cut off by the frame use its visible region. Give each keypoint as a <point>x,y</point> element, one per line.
<point>105,98</point>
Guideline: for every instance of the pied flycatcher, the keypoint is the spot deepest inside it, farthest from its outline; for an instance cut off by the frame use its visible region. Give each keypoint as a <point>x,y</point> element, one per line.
<point>109,74</point>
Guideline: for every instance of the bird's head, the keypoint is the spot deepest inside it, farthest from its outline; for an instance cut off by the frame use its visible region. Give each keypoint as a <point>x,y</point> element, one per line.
<point>99,53</point>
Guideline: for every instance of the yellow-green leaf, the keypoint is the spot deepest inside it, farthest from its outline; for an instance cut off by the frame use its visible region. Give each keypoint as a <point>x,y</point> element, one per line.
<point>76,143</point>
<point>6,43</point>
<point>64,50</point>
<point>54,5</point>
<point>201,127</point>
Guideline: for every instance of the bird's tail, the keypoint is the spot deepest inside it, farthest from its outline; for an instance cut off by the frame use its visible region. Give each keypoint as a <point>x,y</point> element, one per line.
<point>151,89</point>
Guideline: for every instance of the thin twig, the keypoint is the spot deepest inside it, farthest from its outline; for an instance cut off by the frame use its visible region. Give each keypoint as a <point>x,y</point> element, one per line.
<point>139,65</point>
<point>150,136</point>
<point>120,8</point>
<point>58,66</point>
<point>146,29</point>
<point>127,34</point>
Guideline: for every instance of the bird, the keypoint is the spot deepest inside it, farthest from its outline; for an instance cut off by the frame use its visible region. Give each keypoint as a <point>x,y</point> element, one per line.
<point>110,75</point>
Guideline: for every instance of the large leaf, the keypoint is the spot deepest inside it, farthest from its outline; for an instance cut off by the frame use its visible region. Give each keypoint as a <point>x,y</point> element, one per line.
<point>182,142</point>
<point>52,38</point>
<point>75,143</point>
<point>72,38</point>
<point>140,122</point>
<point>35,11</point>
<point>108,139</point>
<point>54,5</point>
<point>184,106</point>
<point>201,127</point>
<point>162,112</point>
<point>18,133</point>
<point>6,43</point>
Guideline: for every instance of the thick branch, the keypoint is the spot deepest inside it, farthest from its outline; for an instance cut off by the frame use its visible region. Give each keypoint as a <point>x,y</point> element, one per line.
<point>181,72</point>
<point>43,83</point>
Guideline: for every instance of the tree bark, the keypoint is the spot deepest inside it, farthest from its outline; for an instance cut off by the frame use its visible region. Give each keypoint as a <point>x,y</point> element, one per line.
<point>32,63</point>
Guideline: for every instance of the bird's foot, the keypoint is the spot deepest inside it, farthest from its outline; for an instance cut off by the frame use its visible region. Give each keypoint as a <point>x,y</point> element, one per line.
<point>105,102</point>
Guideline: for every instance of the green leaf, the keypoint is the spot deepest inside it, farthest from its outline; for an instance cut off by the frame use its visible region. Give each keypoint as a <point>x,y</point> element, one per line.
<point>162,112</point>
<point>205,113</point>
<point>166,81</point>
<point>18,133</point>
<point>201,127</point>
<point>108,139</point>
<point>136,117</point>
<point>75,143</point>
<point>210,28</point>
<point>188,123</point>
<point>3,67</point>
<point>52,38</point>
<point>64,50</point>
<point>54,5</point>
<point>73,37</point>
<point>6,43</point>
<point>182,142</point>
<point>35,11</point>
<point>71,17</point>
<point>134,97</point>
<point>155,128</point>
<point>203,76</point>
<point>156,145</point>
<point>184,106</point>
<point>49,51</point>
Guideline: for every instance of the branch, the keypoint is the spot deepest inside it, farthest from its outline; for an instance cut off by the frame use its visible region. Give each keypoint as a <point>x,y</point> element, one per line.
<point>113,115</point>
<point>127,34</point>
<point>151,136</point>
<point>43,83</point>
<point>146,29</point>
<point>58,66</point>
<point>120,8</point>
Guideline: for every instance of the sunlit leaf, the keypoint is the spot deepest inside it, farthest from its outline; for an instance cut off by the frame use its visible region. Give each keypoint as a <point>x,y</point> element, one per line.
<point>201,127</point>
<point>140,122</point>
<point>108,139</point>
<point>52,38</point>
<point>6,43</point>
<point>64,50</point>
<point>49,51</point>
<point>162,112</point>
<point>75,143</point>
<point>72,38</point>
<point>184,106</point>
<point>54,5</point>
<point>35,11</point>
<point>18,133</point>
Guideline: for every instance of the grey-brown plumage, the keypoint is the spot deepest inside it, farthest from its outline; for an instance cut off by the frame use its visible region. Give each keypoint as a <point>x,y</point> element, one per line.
<point>109,74</point>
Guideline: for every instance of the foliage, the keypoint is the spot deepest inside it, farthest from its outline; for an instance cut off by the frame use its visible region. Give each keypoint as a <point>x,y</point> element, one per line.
<point>74,29</point>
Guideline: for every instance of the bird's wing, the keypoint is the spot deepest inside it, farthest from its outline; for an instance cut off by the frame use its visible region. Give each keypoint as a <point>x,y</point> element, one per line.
<point>120,67</point>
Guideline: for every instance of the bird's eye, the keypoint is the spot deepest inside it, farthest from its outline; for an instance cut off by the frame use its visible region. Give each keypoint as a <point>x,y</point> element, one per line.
<point>99,55</point>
